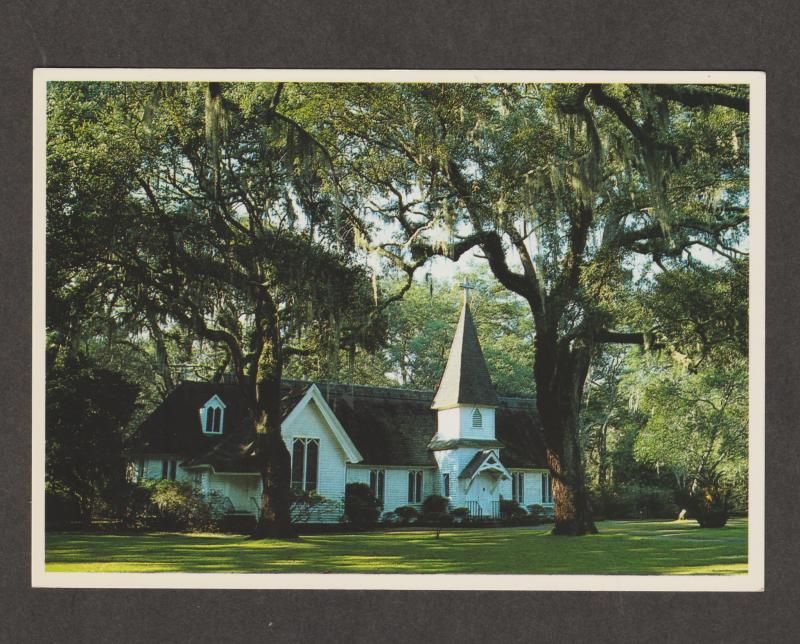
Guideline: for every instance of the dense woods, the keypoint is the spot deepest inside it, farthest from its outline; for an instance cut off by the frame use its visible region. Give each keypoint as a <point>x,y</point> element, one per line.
<point>281,230</point>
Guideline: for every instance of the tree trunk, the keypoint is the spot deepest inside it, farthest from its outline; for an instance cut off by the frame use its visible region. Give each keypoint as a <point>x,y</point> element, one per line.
<point>560,369</point>
<point>272,456</point>
<point>602,456</point>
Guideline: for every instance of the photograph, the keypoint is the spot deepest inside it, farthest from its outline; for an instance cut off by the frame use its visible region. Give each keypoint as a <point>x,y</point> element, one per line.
<point>398,329</point>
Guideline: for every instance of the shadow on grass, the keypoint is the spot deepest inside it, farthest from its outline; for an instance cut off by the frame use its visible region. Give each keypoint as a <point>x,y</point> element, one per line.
<point>621,547</point>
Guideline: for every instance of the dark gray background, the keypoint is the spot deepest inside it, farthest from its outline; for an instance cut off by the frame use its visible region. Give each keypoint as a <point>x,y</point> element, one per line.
<point>516,35</point>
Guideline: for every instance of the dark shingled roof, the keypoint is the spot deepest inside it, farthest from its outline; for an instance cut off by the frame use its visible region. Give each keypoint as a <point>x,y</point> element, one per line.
<point>388,426</point>
<point>466,377</point>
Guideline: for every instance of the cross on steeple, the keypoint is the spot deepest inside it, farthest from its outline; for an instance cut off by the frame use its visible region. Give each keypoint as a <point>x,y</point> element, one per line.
<point>467,288</point>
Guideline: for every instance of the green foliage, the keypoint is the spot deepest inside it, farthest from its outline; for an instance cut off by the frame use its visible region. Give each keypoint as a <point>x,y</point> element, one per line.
<point>305,506</point>
<point>510,510</point>
<point>539,513</point>
<point>634,501</point>
<point>167,505</point>
<point>407,513</point>
<point>435,503</point>
<point>460,515</point>
<point>700,313</point>
<point>361,508</point>
<point>420,330</point>
<point>87,409</point>
<point>178,505</point>
<point>696,427</point>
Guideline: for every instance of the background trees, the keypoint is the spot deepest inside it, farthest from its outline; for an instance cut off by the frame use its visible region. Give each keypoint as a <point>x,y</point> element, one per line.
<point>198,208</point>
<point>257,228</point>
<point>573,194</point>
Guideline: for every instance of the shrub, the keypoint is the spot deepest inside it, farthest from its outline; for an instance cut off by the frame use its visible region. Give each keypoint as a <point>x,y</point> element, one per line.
<point>635,501</point>
<point>460,515</point>
<point>437,520</point>
<point>407,513</point>
<point>361,508</point>
<point>305,505</point>
<point>390,518</point>
<point>238,523</point>
<point>511,510</point>
<point>540,514</point>
<point>132,505</point>
<point>179,505</point>
<point>435,503</point>
<point>61,508</point>
<point>709,502</point>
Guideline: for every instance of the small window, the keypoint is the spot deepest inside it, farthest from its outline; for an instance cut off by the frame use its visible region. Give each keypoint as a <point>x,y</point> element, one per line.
<point>547,488</point>
<point>212,416</point>
<point>518,487</point>
<point>446,484</point>
<point>305,463</point>
<point>415,487</point>
<point>377,484</point>
<point>169,469</point>
<point>477,418</point>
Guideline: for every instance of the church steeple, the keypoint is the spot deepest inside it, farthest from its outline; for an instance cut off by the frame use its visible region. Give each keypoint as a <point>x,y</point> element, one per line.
<point>466,378</point>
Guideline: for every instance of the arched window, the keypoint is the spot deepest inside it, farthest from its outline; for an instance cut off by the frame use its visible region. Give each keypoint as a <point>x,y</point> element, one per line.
<point>212,416</point>
<point>305,463</point>
<point>477,418</point>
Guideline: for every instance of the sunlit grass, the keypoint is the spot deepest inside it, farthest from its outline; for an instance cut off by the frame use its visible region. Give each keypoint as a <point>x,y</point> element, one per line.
<point>621,547</point>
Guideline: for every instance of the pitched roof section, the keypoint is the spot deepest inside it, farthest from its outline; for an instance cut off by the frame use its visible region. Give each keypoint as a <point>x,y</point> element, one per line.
<point>388,426</point>
<point>466,376</point>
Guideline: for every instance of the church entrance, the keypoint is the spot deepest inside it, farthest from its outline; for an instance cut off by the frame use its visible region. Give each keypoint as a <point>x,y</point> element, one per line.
<point>482,498</point>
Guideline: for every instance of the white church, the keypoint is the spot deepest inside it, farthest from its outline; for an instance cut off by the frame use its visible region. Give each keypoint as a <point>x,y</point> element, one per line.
<point>463,441</point>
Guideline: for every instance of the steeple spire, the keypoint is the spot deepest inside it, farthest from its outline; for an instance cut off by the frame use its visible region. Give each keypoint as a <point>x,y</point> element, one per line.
<point>466,378</point>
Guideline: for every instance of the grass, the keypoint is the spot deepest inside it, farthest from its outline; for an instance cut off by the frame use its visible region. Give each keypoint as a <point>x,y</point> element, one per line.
<point>621,547</point>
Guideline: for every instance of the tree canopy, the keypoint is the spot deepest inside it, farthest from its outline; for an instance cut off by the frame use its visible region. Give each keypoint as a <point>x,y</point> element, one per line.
<point>273,221</point>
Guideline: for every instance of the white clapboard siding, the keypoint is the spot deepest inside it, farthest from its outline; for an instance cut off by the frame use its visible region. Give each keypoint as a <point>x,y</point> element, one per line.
<point>309,423</point>
<point>152,469</point>
<point>532,489</point>
<point>396,483</point>
<point>240,489</point>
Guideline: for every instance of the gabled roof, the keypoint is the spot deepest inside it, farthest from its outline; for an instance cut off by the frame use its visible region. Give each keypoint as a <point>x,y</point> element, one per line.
<point>466,377</point>
<point>484,460</point>
<point>386,426</point>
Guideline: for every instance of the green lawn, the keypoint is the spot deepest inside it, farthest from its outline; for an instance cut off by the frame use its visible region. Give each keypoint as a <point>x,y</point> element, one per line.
<point>622,547</point>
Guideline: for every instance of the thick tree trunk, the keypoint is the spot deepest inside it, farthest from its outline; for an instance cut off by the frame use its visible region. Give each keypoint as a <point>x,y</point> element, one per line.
<point>560,370</point>
<point>273,458</point>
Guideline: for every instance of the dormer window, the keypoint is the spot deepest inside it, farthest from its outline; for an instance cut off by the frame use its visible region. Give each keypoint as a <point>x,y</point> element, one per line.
<point>477,419</point>
<point>212,416</point>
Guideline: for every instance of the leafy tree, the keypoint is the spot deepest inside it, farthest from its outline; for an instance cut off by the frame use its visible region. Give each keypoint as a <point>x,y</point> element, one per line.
<point>697,428</point>
<point>87,410</point>
<point>202,207</point>
<point>568,191</point>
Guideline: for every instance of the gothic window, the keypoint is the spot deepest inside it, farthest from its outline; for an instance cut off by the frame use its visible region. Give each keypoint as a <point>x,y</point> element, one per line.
<point>377,482</point>
<point>415,487</point>
<point>212,415</point>
<point>305,463</point>
<point>446,484</point>
<point>518,487</point>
